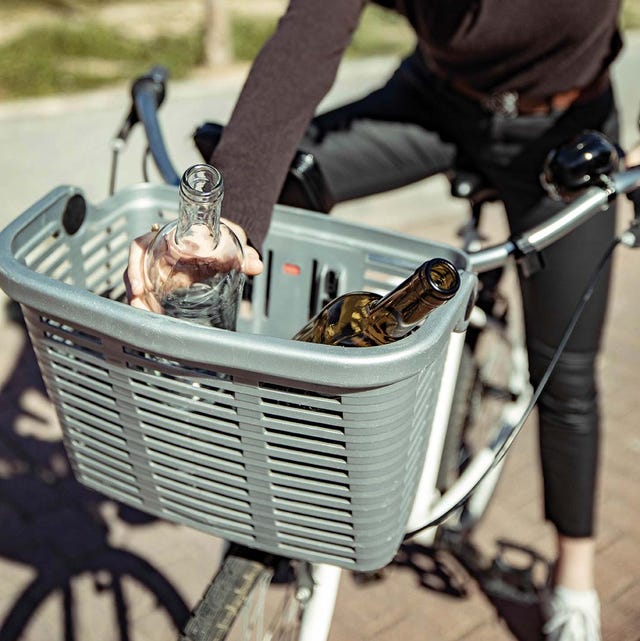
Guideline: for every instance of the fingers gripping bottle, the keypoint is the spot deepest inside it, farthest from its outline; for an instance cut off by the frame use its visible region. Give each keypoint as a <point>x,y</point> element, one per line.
<point>194,264</point>
<point>363,319</point>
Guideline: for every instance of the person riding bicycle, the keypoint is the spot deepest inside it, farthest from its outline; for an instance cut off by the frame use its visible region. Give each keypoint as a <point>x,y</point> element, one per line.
<point>498,84</point>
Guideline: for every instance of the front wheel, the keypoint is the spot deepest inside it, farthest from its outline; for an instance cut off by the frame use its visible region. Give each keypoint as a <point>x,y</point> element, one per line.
<point>465,399</point>
<point>253,597</point>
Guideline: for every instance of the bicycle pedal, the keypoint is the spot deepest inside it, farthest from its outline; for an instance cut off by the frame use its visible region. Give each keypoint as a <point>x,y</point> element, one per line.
<point>515,580</point>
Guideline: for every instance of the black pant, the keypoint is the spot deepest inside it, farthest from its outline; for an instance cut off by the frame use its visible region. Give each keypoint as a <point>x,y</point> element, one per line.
<point>414,127</point>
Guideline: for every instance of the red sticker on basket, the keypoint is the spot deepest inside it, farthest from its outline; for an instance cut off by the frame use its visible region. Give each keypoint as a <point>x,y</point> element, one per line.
<point>291,269</point>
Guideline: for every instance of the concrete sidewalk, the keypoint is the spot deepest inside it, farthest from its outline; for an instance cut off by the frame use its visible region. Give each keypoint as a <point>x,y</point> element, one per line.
<point>66,549</point>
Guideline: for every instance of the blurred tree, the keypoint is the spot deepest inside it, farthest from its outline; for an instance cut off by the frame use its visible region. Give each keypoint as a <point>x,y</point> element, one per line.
<point>217,39</point>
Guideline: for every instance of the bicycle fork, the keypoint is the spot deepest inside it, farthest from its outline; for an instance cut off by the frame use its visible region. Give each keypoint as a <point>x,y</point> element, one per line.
<point>318,611</point>
<point>427,494</point>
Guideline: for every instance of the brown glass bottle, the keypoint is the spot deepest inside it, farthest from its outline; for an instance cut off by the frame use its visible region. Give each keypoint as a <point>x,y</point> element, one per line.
<point>364,319</point>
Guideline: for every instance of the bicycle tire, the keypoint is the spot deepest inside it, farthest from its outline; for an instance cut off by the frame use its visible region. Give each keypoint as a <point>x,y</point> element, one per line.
<point>240,578</point>
<point>466,382</point>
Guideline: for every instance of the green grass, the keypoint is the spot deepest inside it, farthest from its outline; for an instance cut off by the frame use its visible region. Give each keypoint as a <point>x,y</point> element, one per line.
<point>68,56</point>
<point>249,34</point>
<point>630,14</point>
<point>75,55</point>
<point>380,33</point>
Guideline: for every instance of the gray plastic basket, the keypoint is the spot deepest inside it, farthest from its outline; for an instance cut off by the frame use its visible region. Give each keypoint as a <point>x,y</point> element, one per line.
<point>309,451</point>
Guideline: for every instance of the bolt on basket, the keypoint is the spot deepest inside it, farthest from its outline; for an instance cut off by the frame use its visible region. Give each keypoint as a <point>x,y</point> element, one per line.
<point>308,451</point>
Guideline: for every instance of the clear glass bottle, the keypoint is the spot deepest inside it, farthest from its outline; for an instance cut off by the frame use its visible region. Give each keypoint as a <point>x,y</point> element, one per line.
<point>195,263</point>
<point>364,319</point>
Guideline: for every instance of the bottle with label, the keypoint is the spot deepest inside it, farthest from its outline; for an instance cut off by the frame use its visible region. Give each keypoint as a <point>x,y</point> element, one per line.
<point>195,263</point>
<point>364,319</point>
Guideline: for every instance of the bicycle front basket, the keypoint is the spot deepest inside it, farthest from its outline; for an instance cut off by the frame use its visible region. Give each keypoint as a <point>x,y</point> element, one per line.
<point>307,451</point>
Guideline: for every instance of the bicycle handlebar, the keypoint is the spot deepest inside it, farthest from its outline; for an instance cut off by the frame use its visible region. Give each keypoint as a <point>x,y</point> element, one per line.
<point>148,93</point>
<point>567,219</point>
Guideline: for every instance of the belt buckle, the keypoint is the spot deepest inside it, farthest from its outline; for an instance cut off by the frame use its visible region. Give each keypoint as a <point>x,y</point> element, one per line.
<point>504,104</point>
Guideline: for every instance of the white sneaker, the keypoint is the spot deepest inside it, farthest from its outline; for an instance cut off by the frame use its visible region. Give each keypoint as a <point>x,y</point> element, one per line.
<point>572,615</point>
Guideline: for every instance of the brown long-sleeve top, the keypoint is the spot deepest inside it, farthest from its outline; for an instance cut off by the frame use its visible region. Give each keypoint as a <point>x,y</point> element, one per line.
<point>534,47</point>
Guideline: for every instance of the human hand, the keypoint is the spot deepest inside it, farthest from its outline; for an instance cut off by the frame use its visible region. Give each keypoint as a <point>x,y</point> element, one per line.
<point>139,290</point>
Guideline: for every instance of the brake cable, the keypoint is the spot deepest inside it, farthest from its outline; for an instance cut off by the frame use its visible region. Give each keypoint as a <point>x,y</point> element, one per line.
<point>500,453</point>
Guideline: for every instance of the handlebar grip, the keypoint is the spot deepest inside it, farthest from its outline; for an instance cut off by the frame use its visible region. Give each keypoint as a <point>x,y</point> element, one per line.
<point>154,83</point>
<point>148,93</point>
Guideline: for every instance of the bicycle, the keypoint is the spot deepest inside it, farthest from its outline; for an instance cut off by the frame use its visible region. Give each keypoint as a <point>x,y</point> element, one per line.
<point>66,247</point>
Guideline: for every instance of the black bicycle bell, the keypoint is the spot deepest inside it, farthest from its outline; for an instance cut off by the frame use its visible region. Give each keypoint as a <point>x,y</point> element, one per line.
<point>581,163</point>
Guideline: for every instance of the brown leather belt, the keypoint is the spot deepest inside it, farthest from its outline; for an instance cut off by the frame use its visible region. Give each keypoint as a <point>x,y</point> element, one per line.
<point>509,103</point>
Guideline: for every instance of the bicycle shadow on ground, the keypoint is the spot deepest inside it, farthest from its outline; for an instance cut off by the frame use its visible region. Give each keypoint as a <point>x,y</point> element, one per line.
<point>511,588</point>
<point>51,523</point>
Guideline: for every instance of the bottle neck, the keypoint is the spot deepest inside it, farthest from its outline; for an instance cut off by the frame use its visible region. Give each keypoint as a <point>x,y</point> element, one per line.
<point>407,306</point>
<point>201,190</point>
